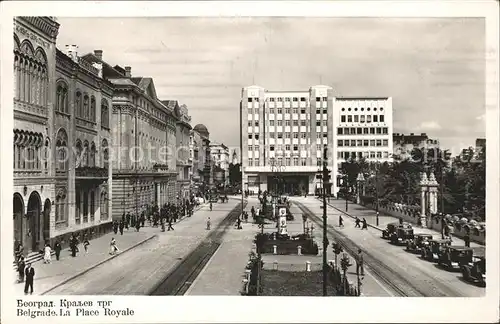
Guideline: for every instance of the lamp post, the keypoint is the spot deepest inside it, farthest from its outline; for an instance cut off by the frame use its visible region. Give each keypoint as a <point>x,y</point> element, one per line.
<point>276,168</point>
<point>346,193</point>
<point>325,243</point>
<point>376,193</point>
<point>360,179</point>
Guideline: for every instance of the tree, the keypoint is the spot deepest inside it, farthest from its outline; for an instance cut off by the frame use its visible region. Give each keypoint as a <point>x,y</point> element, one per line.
<point>234,174</point>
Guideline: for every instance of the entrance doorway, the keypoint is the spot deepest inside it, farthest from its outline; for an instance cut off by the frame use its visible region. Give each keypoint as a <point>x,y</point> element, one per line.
<point>46,220</point>
<point>32,228</point>
<point>290,185</point>
<point>18,206</point>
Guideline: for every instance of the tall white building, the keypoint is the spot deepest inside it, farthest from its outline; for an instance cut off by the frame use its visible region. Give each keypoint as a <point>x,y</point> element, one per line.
<point>283,134</point>
<point>363,128</point>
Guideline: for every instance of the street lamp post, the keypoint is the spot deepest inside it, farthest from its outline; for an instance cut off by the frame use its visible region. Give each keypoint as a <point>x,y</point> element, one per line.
<point>325,243</point>
<point>346,194</point>
<point>360,180</point>
<point>376,194</point>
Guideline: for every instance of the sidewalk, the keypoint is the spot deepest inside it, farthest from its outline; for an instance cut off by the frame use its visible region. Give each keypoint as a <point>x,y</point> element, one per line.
<point>49,276</point>
<point>384,219</point>
<point>223,274</point>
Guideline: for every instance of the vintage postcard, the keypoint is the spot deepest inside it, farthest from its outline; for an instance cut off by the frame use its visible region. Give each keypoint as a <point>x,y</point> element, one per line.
<point>226,151</point>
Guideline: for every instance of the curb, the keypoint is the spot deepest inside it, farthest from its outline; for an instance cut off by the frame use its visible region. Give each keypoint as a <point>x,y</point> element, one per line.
<point>98,264</point>
<point>345,213</point>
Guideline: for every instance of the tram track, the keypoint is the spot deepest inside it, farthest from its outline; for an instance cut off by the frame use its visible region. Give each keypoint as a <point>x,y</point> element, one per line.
<point>178,281</point>
<point>400,285</point>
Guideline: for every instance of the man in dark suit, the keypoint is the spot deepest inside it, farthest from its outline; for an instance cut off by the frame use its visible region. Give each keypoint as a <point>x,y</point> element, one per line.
<point>30,275</point>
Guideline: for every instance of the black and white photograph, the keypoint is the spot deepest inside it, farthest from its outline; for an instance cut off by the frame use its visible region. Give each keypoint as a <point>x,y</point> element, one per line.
<point>263,149</point>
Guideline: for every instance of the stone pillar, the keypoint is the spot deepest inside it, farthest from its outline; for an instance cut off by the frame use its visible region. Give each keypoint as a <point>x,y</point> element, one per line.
<point>423,200</point>
<point>433,192</point>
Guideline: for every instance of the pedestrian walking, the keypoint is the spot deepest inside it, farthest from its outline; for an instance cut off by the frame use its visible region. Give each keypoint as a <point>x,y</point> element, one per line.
<point>113,248</point>
<point>137,226</point>
<point>210,206</point>
<point>359,264</point>
<point>57,249</point>
<point>365,224</point>
<point>73,245</point>
<point>19,250</point>
<point>467,239</point>
<point>341,221</point>
<point>115,227</point>
<point>47,252</point>
<point>29,272</point>
<point>170,224</point>
<point>208,223</point>
<point>358,221</point>
<point>121,226</point>
<point>86,244</point>
<point>20,268</point>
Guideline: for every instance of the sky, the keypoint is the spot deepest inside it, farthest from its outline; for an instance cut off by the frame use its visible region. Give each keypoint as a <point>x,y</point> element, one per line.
<point>433,68</point>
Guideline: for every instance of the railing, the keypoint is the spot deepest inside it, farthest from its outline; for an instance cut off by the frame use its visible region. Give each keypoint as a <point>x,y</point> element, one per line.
<point>85,123</point>
<point>91,172</point>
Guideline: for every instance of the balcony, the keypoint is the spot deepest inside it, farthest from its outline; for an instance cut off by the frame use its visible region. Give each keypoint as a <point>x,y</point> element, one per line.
<point>160,167</point>
<point>94,174</point>
<point>85,123</point>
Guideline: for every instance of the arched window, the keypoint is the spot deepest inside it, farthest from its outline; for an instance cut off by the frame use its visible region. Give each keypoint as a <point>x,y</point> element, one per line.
<point>46,155</point>
<point>62,151</point>
<point>105,154</point>
<point>77,206</point>
<point>104,114</point>
<point>104,205</point>
<point>62,98</point>
<point>78,104</point>
<point>60,209</point>
<point>86,151</point>
<point>92,108</point>
<point>78,157</point>
<point>92,205</point>
<point>92,155</point>
<point>85,107</point>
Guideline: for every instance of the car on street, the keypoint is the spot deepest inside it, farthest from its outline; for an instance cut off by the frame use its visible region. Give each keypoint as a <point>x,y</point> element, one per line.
<point>475,271</point>
<point>431,251</point>
<point>402,235</point>
<point>454,257</point>
<point>419,240</point>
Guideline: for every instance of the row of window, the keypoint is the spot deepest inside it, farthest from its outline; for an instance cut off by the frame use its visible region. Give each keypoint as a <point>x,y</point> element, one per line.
<point>362,119</point>
<point>359,155</point>
<point>279,122</point>
<point>85,106</point>
<point>363,109</point>
<point>286,99</point>
<point>362,131</point>
<point>372,143</point>
<point>288,161</point>
<point>280,111</point>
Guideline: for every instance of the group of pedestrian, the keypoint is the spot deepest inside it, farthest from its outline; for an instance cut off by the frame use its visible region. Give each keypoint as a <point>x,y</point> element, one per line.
<point>358,222</point>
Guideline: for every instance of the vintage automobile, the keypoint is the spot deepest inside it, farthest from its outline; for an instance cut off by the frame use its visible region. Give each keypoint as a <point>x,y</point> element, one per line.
<point>475,271</point>
<point>419,240</point>
<point>430,252</point>
<point>402,235</point>
<point>392,228</point>
<point>454,257</point>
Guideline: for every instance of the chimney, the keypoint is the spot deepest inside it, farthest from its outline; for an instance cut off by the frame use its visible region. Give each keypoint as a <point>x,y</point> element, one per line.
<point>98,54</point>
<point>128,71</point>
<point>72,51</point>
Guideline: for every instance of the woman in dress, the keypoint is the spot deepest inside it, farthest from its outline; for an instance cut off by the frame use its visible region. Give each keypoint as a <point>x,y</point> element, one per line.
<point>113,249</point>
<point>47,255</point>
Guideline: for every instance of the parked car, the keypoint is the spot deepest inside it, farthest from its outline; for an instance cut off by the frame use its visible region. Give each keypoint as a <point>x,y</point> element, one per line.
<point>454,257</point>
<point>391,228</point>
<point>475,271</point>
<point>402,235</point>
<point>419,240</point>
<point>431,251</point>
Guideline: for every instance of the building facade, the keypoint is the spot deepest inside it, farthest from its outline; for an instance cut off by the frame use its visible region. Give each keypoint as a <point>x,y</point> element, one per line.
<point>404,145</point>
<point>34,169</point>
<point>220,156</point>
<point>143,131</point>
<point>363,128</point>
<point>283,136</point>
<point>82,140</point>
<point>202,166</point>
<point>183,133</point>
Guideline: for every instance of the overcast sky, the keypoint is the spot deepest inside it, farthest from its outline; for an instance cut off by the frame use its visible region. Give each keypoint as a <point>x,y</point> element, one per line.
<point>434,69</point>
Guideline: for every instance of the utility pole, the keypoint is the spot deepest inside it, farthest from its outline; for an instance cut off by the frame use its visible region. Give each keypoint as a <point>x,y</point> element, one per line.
<point>325,244</point>
<point>442,191</point>
<point>346,193</point>
<point>136,162</point>
<point>376,192</point>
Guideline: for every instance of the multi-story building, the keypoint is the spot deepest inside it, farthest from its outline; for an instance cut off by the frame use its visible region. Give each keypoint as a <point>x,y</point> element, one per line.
<point>83,138</point>
<point>363,130</point>
<point>480,146</point>
<point>283,135</point>
<point>183,163</point>
<point>220,157</point>
<point>34,144</point>
<point>143,131</point>
<point>202,167</point>
<point>404,146</point>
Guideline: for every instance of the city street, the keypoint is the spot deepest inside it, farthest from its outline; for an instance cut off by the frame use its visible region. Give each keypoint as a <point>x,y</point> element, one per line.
<point>139,270</point>
<point>420,273</point>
